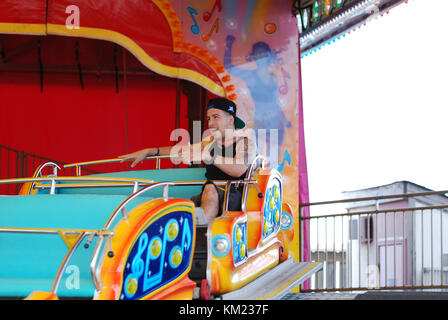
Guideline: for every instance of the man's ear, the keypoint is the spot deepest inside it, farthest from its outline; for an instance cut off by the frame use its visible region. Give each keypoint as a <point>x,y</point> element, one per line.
<point>232,120</point>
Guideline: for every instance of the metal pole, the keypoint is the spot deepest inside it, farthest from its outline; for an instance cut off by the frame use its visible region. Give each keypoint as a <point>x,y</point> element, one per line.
<point>385,249</point>
<point>422,271</point>
<point>67,258</point>
<point>441,248</point>
<point>395,253</point>
<point>432,251</point>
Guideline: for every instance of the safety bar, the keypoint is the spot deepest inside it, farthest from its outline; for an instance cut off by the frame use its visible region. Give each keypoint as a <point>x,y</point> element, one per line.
<point>52,230</point>
<point>113,160</point>
<point>47,164</point>
<point>94,267</point>
<point>111,182</point>
<point>123,182</point>
<point>256,164</point>
<point>38,172</point>
<point>250,172</point>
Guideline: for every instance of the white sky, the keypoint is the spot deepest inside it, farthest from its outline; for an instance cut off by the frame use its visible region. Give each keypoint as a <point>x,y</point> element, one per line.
<point>376,104</point>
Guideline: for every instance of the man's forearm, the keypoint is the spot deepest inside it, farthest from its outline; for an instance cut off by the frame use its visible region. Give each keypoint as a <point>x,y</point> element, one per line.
<point>158,151</point>
<point>234,170</point>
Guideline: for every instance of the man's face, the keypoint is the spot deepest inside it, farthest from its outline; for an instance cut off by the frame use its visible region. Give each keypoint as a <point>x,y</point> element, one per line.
<point>219,120</point>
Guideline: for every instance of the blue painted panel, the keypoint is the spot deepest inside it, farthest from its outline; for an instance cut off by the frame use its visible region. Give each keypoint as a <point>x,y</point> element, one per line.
<point>239,243</point>
<point>160,255</point>
<point>272,209</point>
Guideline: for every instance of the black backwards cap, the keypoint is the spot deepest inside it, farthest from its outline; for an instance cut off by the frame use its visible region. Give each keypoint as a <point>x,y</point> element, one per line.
<point>227,106</point>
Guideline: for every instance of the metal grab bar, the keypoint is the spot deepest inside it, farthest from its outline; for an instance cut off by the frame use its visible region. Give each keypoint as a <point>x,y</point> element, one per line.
<point>124,182</point>
<point>255,165</point>
<point>133,183</point>
<point>94,269</point>
<point>110,182</point>
<point>78,165</point>
<point>54,231</point>
<point>163,184</point>
<point>47,164</point>
<point>38,172</point>
<point>49,179</point>
<point>122,206</point>
<point>250,172</point>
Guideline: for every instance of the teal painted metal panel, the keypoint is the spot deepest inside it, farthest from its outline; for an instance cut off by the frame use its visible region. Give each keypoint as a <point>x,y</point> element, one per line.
<point>30,261</point>
<point>184,174</point>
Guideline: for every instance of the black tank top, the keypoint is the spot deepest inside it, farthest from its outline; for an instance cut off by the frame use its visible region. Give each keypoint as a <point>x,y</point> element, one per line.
<point>214,173</point>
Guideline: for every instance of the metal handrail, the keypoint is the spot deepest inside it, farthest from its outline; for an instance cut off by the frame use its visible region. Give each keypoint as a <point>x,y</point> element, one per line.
<point>53,186</point>
<point>52,230</point>
<point>255,164</point>
<point>356,213</point>
<point>44,179</point>
<point>46,164</point>
<point>39,171</point>
<point>94,268</point>
<point>402,231</point>
<point>109,182</point>
<point>78,165</point>
<point>250,172</point>
<point>138,184</point>
<point>164,184</point>
<point>393,196</point>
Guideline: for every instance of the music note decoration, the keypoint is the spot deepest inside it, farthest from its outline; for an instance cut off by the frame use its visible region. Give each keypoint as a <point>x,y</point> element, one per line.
<point>215,27</point>
<point>208,14</point>
<point>160,255</point>
<point>286,158</point>
<point>195,26</point>
<point>284,87</point>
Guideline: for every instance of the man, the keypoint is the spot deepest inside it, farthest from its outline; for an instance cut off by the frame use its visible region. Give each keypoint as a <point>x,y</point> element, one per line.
<point>228,152</point>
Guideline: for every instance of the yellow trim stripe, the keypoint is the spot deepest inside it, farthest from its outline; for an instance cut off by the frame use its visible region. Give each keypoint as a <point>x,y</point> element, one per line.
<point>128,43</point>
<point>23,28</point>
<point>133,47</point>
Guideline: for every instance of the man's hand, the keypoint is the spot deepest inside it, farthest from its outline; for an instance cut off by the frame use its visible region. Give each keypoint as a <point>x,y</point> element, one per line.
<point>137,156</point>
